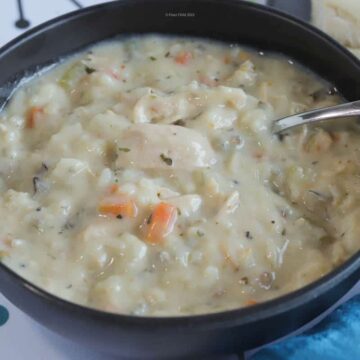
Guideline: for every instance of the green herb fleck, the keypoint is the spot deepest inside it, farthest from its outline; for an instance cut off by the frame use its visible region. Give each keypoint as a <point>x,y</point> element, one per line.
<point>153,58</point>
<point>168,161</point>
<point>244,280</point>
<point>179,122</point>
<point>199,233</point>
<point>124,149</point>
<point>89,70</point>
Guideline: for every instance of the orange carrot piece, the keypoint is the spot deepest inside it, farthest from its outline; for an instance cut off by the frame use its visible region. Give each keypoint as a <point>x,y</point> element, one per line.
<point>183,58</point>
<point>161,223</point>
<point>251,302</point>
<point>113,189</point>
<point>118,205</point>
<point>32,116</point>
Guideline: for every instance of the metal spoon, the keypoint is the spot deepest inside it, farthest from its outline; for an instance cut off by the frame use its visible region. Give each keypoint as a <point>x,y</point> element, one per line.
<point>333,112</point>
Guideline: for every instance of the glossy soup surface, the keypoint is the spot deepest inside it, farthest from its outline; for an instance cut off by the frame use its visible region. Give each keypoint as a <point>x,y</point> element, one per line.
<point>141,177</point>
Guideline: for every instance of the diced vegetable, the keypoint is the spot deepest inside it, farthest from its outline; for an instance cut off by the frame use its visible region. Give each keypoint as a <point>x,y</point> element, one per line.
<point>161,223</point>
<point>183,58</point>
<point>119,206</point>
<point>33,115</point>
<point>113,189</point>
<point>73,74</point>
<point>251,302</point>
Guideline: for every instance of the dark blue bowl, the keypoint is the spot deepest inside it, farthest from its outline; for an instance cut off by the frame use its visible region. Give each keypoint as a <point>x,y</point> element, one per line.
<point>232,21</point>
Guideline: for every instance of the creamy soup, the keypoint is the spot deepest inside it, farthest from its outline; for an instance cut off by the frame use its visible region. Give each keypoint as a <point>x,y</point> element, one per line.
<point>141,177</point>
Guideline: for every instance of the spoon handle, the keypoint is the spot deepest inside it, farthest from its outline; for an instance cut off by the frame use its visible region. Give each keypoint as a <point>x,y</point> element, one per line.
<point>343,110</point>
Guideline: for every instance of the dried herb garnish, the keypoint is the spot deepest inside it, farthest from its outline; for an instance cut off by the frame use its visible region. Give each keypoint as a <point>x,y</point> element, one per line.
<point>153,58</point>
<point>148,221</point>
<point>248,235</point>
<point>44,166</point>
<point>167,54</point>
<point>319,195</point>
<point>124,149</point>
<point>167,160</point>
<point>199,233</point>
<point>119,216</point>
<point>179,122</point>
<point>36,181</point>
<point>89,70</point>
<point>244,280</point>
<point>68,225</point>
<point>283,233</point>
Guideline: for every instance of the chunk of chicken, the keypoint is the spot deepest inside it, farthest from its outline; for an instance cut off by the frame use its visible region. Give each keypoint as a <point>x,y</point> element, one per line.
<point>189,103</point>
<point>245,75</point>
<point>152,146</point>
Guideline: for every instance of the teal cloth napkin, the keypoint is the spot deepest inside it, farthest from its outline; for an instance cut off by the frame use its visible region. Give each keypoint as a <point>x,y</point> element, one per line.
<point>337,337</point>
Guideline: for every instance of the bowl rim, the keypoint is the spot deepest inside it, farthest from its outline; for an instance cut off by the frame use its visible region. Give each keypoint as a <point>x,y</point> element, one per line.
<point>226,318</point>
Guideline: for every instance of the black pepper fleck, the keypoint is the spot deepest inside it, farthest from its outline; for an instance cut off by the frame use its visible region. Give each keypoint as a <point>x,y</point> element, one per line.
<point>168,161</point>
<point>35,181</point>
<point>148,221</point>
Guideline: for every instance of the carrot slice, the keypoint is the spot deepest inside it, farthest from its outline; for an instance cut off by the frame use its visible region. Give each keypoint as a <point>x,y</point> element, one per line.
<point>161,223</point>
<point>183,58</point>
<point>113,188</point>
<point>32,116</point>
<point>251,302</point>
<point>118,205</point>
